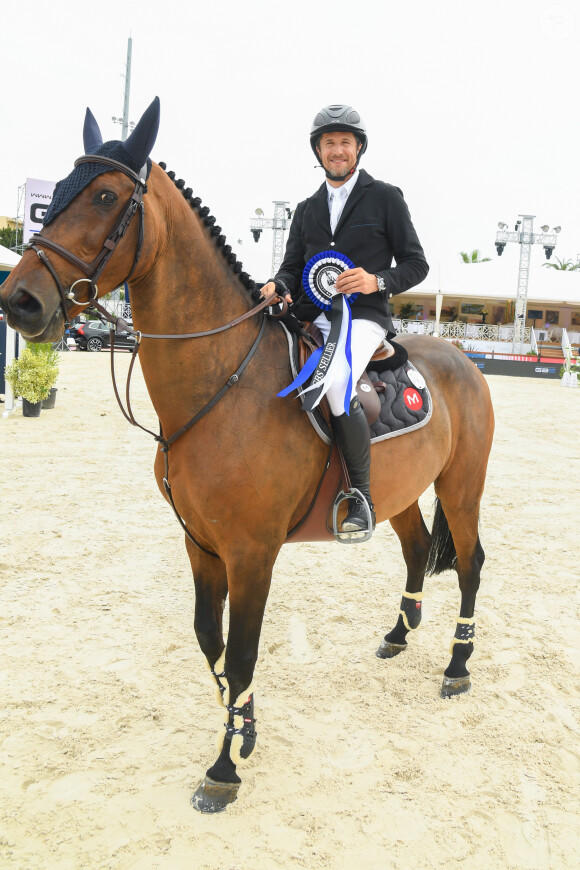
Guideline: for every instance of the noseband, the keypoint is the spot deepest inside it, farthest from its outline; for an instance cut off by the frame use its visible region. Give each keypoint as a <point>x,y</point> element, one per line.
<point>93,270</point>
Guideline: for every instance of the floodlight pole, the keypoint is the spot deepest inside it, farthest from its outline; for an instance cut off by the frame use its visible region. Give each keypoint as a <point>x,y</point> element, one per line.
<point>279,224</point>
<point>525,237</point>
<point>124,121</point>
<point>125,127</point>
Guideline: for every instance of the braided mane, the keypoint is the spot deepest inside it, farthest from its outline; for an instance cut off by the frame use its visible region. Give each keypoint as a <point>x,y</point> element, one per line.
<point>216,232</point>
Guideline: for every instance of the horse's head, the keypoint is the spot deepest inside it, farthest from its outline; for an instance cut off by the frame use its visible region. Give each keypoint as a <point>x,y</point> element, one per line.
<point>91,238</point>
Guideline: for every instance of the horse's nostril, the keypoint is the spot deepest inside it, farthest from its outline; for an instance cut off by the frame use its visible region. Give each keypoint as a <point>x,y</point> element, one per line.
<point>23,302</point>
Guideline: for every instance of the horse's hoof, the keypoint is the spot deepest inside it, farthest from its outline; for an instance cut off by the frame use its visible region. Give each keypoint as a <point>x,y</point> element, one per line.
<point>388,650</point>
<point>213,797</point>
<point>455,686</point>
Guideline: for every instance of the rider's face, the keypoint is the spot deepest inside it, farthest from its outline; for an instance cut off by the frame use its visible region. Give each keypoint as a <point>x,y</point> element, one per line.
<point>338,153</point>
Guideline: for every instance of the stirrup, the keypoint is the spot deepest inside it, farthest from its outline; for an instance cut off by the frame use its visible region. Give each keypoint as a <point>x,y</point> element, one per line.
<point>360,536</point>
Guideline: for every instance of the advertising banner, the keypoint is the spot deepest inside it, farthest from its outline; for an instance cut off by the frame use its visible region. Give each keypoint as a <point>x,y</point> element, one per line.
<point>38,198</point>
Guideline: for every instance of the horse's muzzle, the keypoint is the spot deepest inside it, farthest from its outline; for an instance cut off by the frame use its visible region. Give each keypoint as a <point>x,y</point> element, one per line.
<point>27,314</point>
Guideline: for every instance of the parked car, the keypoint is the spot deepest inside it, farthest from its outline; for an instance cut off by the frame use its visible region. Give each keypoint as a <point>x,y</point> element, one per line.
<point>94,336</point>
<point>71,331</point>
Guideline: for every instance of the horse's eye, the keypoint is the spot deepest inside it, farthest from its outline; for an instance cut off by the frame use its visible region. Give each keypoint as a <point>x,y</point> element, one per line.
<point>106,197</point>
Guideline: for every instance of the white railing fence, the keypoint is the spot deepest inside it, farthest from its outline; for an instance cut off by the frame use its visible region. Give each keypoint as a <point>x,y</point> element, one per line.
<point>469,331</point>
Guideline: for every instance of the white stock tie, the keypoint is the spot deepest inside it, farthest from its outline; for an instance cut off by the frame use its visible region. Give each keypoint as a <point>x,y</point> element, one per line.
<point>336,208</point>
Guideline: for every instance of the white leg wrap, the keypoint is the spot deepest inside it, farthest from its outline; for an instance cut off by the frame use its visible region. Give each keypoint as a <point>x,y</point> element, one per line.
<point>216,672</point>
<point>464,632</point>
<point>417,597</point>
<point>237,743</point>
<point>237,740</point>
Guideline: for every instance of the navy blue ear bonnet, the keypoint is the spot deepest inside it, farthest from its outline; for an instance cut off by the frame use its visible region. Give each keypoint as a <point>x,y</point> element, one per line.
<point>82,175</point>
<point>133,153</point>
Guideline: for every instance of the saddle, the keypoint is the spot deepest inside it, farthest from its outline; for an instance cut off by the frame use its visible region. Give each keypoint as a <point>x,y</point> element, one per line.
<point>367,391</point>
<point>376,393</point>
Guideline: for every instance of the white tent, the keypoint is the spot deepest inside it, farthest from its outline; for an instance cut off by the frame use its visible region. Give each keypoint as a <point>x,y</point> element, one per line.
<point>8,259</point>
<point>498,279</point>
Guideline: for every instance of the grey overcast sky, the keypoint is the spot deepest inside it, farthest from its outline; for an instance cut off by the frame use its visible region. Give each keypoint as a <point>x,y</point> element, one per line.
<point>471,107</point>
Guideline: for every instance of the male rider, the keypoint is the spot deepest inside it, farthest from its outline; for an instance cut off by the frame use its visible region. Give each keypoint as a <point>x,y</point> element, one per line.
<point>369,222</point>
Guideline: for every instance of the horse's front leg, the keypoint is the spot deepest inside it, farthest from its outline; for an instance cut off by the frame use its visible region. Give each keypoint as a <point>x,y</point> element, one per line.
<point>249,584</point>
<point>211,590</point>
<point>415,542</point>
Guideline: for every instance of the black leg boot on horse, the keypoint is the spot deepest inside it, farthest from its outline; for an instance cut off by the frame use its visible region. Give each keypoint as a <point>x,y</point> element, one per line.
<point>354,439</point>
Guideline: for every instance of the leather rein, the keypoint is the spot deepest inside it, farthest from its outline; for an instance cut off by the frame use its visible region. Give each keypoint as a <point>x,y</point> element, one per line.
<point>93,271</point>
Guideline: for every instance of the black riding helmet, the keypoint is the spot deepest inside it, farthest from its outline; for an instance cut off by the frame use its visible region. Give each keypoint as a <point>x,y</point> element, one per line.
<point>338,118</point>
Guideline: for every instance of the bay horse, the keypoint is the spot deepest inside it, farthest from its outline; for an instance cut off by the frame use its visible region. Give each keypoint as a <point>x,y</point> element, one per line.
<point>241,466</point>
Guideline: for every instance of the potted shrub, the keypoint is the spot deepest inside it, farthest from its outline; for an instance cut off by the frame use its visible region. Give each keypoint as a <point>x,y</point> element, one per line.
<point>32,376</point>
<point>51,355</point>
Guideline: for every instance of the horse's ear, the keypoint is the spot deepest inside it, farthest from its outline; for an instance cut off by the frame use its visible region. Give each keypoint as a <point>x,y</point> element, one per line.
<point>142,139</point>
<point>91,133</point>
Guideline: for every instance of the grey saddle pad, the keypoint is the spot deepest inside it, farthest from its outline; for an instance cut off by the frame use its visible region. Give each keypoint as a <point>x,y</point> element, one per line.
<point>401,410</point>
<point>406,403</point>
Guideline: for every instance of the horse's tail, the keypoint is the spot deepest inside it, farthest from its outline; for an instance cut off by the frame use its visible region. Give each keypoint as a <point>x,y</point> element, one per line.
<point>442,555</point>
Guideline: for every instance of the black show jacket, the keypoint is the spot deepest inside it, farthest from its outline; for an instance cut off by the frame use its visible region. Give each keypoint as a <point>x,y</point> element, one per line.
<point>374,228</point>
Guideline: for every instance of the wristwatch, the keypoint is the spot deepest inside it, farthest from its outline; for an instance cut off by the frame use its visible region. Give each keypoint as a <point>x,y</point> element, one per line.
<point>381,286</point>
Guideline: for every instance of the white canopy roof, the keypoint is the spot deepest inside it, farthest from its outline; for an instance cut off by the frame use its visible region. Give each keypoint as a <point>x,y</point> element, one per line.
<point>8,259</point>
<point>498,279</point>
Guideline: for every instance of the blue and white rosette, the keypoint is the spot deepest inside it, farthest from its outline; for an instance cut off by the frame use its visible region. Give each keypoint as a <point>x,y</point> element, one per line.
<point>319,278</point>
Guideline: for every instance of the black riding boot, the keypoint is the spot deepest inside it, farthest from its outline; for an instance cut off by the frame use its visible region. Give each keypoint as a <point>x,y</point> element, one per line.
<point>354,439</point>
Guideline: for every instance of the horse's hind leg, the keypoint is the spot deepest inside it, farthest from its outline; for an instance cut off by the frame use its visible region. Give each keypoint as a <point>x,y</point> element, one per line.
<point>456,545</point>
<point>415,542</point>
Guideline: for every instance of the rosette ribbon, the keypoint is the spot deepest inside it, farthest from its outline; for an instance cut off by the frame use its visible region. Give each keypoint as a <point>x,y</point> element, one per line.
<point>318,278</point>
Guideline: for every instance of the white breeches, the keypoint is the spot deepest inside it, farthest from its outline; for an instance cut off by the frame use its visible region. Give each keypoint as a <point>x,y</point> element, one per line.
<point>365,338</point>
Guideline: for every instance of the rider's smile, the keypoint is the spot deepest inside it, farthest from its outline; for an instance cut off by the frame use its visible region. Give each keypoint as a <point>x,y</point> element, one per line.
<point>338,153</point>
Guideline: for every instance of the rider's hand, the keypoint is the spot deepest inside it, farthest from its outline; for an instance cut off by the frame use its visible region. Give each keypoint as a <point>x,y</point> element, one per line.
<point>270,287</point>
<point>356,281</point>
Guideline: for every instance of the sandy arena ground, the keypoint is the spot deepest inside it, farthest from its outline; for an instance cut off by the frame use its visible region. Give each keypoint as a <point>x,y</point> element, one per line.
<point>108,719</point>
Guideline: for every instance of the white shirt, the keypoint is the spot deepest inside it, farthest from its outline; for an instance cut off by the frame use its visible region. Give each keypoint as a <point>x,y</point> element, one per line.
<point>337,197</point>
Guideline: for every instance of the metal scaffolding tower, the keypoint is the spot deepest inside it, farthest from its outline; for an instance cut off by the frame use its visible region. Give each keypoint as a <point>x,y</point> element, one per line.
<point>20,217</point>
<point>525,237</point>
<point>18,222</point>
<point>279,224</point>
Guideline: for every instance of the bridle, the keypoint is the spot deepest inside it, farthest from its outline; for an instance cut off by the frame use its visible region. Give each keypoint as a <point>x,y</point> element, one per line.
<point>94,269</point>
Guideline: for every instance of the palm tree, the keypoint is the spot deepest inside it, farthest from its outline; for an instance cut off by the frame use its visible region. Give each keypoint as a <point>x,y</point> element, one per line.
<point>407,310</point>
<point>563,265</point>
<point>473,257</point>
